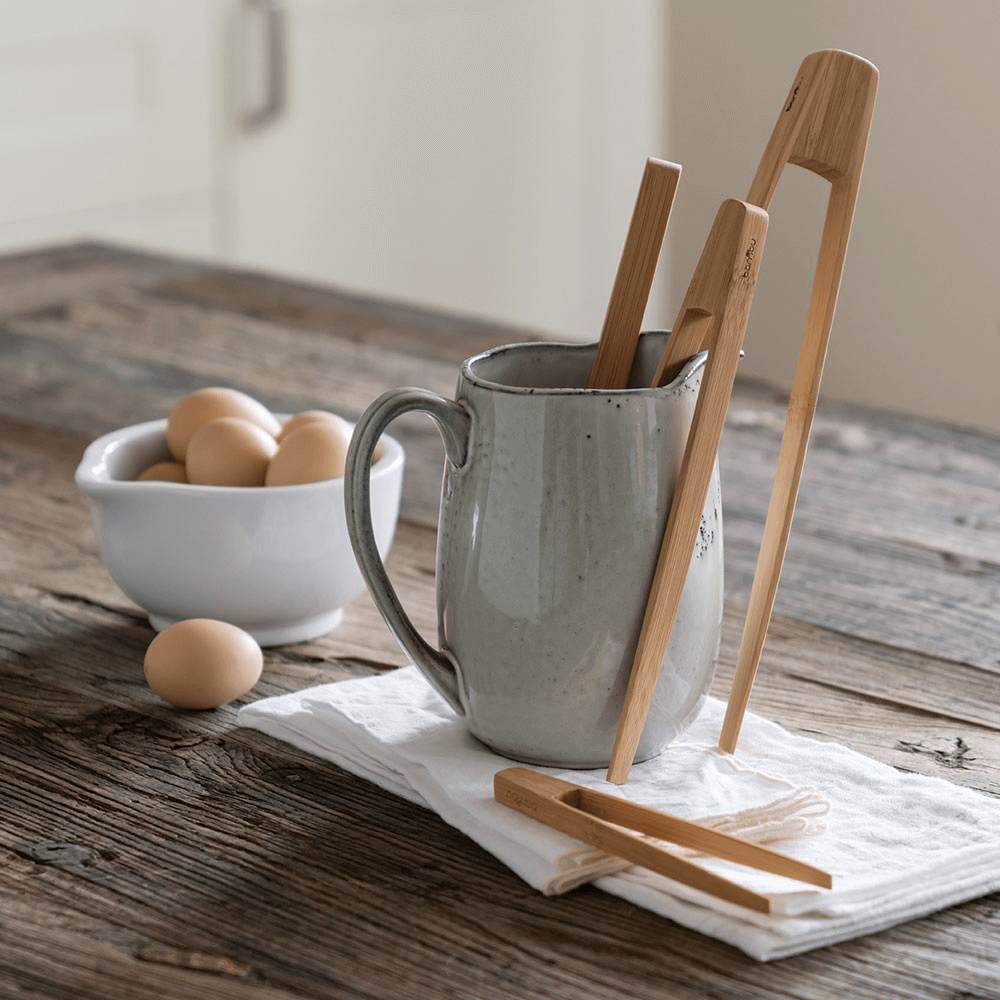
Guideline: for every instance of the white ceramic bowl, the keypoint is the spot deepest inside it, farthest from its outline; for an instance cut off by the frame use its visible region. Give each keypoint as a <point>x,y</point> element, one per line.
<point>275,561</point>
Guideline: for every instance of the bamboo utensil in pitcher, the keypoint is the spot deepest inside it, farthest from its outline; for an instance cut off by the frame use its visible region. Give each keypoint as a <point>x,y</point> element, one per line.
<point>824,127</point>
<point>713,315</point>
<point>634,277</point>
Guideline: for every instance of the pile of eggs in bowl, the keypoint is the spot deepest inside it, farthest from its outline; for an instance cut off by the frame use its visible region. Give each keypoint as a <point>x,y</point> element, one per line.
<point>223,437</point>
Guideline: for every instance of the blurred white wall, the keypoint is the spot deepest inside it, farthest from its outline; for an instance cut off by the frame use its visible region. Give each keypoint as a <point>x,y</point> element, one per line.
<point>918,321</point>
<point>109,120</point>
<point>477,155</point>
<point>483,156</point>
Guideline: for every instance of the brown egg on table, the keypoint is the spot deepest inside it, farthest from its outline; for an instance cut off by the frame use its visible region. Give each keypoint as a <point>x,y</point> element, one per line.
<point>202,663</point>
<point>167,472</point>
<point>309,454</point>
<point>229,451</point>
<point>199,407</point>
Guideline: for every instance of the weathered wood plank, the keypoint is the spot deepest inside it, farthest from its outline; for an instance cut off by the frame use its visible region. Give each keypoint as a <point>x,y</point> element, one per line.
<point>386,324</point>
<point>45,279</point>
<point>120,809</point>
<point>949,689</point>
<point>933,530</point>
<point>896,536</point>
<point>47,953</point>
<point>47,542</point>
<point>146,851</point>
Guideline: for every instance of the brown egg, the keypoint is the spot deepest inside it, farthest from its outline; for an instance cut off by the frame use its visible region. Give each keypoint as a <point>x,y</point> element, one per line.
<point>202,663</point>
<point>312,417</point>
<point>168,472</point>
<point>322,416</point>
<point>310,453</point>
<point>199,407</point>
<point>229,451</point>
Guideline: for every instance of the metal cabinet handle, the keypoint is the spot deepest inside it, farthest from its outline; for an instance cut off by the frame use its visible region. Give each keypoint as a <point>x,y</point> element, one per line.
<point>275,66</point>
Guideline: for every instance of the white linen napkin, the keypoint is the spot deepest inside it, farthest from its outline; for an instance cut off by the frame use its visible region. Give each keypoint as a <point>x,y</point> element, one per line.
<point>898,845</point>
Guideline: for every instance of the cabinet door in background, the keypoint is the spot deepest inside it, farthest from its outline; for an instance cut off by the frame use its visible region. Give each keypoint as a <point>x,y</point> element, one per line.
<point>109,115</point>
<point>476,155</point>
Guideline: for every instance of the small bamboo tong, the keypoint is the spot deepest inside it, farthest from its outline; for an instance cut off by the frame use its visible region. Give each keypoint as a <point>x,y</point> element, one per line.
<point>599,819</point>
<point>713,316</point>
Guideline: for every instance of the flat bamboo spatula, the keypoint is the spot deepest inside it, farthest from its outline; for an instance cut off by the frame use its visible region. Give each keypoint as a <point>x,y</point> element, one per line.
<point>634,278</point>
<point>604,821</point>
<point>823,127</point>
<point>713,316</point>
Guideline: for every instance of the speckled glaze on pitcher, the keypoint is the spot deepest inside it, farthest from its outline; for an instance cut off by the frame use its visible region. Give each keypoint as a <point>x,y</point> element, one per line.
<point>553,506</point>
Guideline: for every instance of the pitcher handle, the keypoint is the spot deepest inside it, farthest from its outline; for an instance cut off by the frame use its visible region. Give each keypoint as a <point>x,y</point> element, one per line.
<point>454,423</point>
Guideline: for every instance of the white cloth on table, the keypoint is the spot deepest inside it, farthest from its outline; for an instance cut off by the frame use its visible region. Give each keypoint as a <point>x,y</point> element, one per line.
<point>898,845</point>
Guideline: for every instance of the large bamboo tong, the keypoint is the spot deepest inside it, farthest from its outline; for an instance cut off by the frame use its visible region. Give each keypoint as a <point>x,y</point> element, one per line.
<point>823,127</point>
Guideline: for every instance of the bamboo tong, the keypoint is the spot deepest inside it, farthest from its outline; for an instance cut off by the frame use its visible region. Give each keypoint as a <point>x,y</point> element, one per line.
<point>713,317</point>
<point>605,821</point>
<point>823,127</point>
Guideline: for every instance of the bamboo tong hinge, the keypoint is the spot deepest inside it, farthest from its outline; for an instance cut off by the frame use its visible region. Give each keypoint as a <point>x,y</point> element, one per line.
<point>605,822</point>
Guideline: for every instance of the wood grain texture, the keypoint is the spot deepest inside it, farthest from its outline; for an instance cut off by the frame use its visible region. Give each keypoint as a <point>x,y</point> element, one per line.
<point>146,851</point>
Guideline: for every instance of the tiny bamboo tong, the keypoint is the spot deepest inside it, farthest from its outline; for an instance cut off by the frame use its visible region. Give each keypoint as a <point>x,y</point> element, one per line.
<point>604,821</point>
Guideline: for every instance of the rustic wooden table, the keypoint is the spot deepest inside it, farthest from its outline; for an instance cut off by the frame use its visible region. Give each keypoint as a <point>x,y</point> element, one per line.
<point>151,852</point>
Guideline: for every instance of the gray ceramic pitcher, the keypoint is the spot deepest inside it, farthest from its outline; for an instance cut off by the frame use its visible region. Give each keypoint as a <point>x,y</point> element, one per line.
<point>553,506</point>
